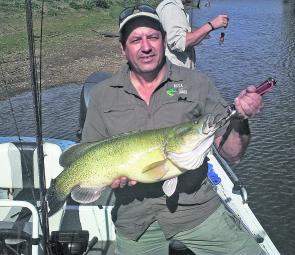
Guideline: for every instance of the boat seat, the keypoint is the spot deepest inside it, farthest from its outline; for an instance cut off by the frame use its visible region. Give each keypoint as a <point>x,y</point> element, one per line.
<point>14,234</point>
<point>90,82</point>
<point>20,173</point>
<point>11,168</point>
<point>20,182</point>
<point>19,168</point>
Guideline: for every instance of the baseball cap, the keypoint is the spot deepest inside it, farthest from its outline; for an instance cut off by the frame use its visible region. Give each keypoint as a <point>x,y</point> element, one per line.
<point>141,10</point>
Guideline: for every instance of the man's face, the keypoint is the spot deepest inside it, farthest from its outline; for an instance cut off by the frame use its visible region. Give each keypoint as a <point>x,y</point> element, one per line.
<point>144,48</point>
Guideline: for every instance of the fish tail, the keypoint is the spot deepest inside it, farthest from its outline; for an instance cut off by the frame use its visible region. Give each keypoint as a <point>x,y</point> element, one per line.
<point>55,199</point>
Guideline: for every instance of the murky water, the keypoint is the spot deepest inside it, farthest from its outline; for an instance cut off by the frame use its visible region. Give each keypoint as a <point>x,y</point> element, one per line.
<point>60,110</point>
<point>259,43</point>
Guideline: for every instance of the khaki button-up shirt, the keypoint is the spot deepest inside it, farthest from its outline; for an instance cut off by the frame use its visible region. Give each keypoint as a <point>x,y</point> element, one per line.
<point>175,22</point>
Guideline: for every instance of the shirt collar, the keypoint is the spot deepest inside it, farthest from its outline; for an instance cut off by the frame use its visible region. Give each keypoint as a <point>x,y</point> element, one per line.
<point>165,2</point>
<point>172,73</point>
<point>122,79</point>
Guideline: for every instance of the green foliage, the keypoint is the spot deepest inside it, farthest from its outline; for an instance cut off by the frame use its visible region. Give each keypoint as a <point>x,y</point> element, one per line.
<point>74,5</point>
<point>134,2</point>
<point>53,6</point>
<point>102,3</point>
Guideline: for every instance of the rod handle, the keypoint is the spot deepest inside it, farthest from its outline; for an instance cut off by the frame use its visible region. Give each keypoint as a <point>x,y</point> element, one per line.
<point>265,86</point>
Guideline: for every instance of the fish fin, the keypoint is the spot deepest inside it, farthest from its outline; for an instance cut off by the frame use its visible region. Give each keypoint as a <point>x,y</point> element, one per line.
<point>169,186</point>
<point>55,199</point>
<point>74,152</point>
<point>86,195</point>
<point>156,170</point>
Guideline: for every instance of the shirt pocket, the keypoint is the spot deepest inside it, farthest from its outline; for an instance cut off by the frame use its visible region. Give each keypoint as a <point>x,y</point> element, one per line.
<point>177,110</point>
<point>120,119</point>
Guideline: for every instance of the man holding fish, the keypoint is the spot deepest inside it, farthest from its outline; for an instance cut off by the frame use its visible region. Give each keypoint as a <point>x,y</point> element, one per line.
<point>150,93</point>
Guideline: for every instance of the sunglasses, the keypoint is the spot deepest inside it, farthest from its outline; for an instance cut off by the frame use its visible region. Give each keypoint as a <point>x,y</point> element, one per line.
<point>135,9</point>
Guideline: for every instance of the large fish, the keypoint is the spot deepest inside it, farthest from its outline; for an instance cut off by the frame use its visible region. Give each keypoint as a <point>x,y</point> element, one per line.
<point>147,157</point>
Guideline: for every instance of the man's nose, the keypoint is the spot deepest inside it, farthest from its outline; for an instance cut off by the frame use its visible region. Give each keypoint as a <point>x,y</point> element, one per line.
<point>146,45</point>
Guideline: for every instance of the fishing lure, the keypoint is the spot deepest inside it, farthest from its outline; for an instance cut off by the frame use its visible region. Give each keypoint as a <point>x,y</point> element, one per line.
<point>221,38</point>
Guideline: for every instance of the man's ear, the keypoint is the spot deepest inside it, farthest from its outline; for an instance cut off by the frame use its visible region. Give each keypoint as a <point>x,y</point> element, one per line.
<point>122,49</point>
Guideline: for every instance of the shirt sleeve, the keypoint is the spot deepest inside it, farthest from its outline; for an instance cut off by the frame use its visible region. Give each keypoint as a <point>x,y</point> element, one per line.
<point>94,128</point>
<point>175,23</point>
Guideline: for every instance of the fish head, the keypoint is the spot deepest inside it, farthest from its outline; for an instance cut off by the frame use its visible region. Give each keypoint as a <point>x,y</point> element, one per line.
<point>199,130</point>
<point>192,141</point>
<point>209,123</point>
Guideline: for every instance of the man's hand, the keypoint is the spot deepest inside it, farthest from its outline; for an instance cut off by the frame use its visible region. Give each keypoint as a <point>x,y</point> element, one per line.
<point>121,182</point>
<point>248,103</point>
<point>220,21</point>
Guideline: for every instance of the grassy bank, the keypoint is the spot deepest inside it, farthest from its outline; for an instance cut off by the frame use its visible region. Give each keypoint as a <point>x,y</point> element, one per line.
<point>74,41</point>
<point>62,19</point>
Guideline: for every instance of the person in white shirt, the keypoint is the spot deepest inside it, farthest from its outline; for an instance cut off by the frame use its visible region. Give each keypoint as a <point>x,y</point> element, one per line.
<point>180,39</point>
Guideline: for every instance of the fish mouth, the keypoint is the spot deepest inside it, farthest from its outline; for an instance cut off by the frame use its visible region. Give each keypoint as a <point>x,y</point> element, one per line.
<point>212,123</point>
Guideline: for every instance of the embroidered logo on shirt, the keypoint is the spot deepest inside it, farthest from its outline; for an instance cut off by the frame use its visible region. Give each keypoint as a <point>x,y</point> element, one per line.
<point>180,88</point>
<point>177,88</point>
<point>171,91</point>
<point>182,91</point>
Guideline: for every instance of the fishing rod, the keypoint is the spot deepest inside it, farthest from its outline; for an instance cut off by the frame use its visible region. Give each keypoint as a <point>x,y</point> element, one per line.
<point>60,242</point>
<point>36,90</point>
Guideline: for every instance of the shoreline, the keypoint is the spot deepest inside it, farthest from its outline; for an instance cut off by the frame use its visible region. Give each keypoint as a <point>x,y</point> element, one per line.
<point>68,64</point>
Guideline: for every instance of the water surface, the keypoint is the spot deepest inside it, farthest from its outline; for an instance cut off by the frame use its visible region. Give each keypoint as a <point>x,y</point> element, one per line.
<point>260,43</point>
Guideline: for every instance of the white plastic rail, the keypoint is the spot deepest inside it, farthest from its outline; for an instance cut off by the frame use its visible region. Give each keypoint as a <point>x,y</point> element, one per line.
<point>35,219</point>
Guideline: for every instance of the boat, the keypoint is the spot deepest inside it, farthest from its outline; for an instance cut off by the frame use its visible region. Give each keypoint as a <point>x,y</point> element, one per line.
<point>86,228</point>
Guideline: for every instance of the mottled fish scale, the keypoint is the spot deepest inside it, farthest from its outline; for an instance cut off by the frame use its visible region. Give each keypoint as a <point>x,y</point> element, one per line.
<point>110,156</point>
